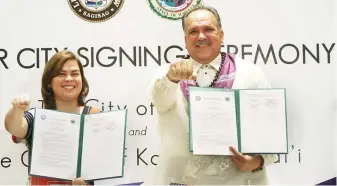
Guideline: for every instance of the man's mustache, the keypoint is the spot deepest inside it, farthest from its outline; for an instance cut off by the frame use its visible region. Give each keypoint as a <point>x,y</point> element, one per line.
<point>202,42</point>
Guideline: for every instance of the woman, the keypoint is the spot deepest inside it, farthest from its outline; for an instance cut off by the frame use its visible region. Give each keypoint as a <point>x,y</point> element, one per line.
<point>64,88</point>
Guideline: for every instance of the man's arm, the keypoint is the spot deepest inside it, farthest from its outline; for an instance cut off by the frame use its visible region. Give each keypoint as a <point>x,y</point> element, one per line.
<point>162,91</point>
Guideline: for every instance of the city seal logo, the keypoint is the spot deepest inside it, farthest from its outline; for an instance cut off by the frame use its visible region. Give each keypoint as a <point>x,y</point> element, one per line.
<point>43,117</point>
<point>172,9</point>
<point>95,10</point>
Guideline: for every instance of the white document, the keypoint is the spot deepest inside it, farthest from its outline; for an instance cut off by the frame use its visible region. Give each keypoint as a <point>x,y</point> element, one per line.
<point>55,144</point>
<point>252,121</point>
<point>263,121</point>
<point>213,125</point>
<point>103,152</point>
<point>66,146</point>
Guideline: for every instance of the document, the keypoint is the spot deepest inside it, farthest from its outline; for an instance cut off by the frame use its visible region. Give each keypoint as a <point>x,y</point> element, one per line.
<point>251,120</point>
<point>66,146</point>
<point>213,121</point>
<point>263,122</point>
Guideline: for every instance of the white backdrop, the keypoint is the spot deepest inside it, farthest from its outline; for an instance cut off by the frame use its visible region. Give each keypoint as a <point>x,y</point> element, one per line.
<point>292,28</point>
<point>335,107</point>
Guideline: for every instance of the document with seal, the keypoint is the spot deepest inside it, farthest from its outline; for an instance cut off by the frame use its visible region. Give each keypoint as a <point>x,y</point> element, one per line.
<point>66,146</point>
<point>254,121</point>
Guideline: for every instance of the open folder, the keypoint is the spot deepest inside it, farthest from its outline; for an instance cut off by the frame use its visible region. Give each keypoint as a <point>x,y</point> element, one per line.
<point>67,146</point>
<point>254,121</point>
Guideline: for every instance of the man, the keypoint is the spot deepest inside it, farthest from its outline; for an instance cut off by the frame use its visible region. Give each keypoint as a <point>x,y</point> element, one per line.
<point>208,67</point>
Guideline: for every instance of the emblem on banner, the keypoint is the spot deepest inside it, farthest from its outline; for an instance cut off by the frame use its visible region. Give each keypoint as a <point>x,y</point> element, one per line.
<point>172,9</point>
<point>95,10</point>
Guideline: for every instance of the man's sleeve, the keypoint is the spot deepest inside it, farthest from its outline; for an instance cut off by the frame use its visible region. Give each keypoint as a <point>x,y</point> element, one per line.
<point>162,92</point>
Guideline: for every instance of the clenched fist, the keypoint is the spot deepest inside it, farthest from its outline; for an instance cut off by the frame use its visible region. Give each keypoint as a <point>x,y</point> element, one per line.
<point>182,70</point>
<point>21,101</point>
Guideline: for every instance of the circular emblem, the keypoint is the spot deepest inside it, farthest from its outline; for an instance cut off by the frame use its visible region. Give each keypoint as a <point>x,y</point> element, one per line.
<point>95,10</point>
<point>43,117</point>
<point>224,166</point>
<point>198,98</point>
<point>172,9</point>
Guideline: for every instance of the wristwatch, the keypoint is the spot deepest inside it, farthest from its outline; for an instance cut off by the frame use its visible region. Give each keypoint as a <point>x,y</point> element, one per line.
<point>260,167</point>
